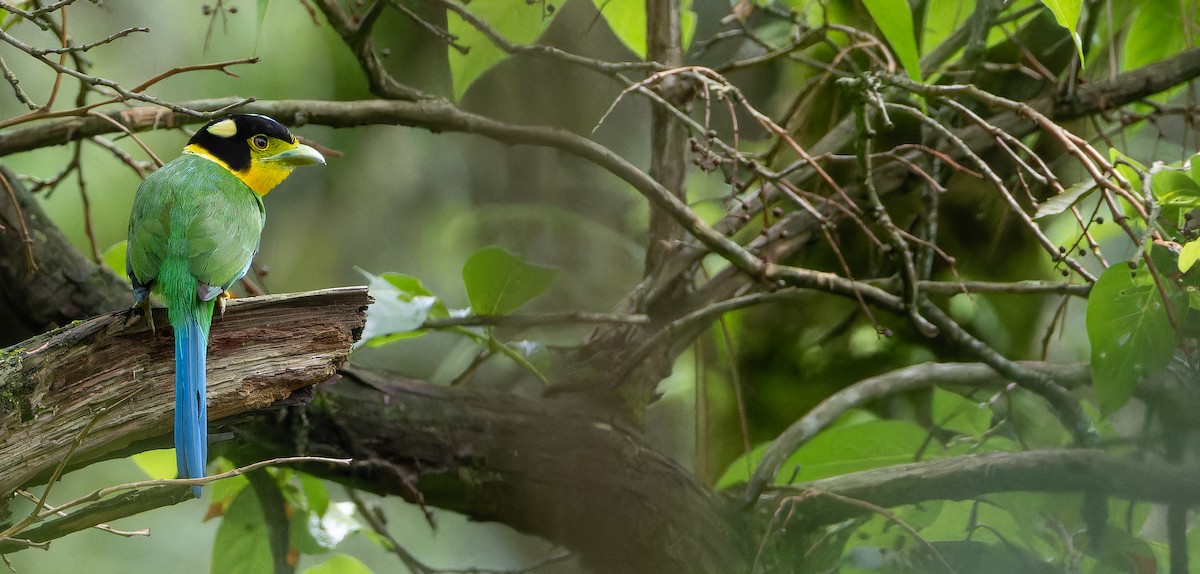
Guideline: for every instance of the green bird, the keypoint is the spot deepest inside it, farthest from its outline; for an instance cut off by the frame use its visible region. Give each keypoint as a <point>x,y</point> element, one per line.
<point>194,230</point>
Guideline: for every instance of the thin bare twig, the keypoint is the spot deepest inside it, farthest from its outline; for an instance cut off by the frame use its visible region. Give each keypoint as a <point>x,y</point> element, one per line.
<point>536,320</point>
<point>62,60</point>
<point>997,183</point>
<point>102,527</point>
<point>440,32</point>
<point>30,263</point>
<point>154,157</point>
<point>908,271</point>
<point>53,6</point>
<point>15,82</point>
<point>138,167</point>
<point>81,182</point>
<point>891,517</point>
<point>608,68</point>
<point>36,514</point>
<point>378,523</point>
<point>103,492</point>
<point>122,93</point>
<point>89,46</point>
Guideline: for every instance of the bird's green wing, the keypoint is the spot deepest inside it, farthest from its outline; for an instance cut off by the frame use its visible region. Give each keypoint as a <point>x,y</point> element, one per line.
<point>194,209</point>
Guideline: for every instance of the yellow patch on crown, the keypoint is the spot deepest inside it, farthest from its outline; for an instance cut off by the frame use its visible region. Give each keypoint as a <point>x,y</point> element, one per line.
<point>223,129</point>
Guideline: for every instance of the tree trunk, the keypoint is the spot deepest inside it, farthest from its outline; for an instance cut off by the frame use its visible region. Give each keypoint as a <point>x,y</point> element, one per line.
<point>534,464</point>
<point>47,282</point>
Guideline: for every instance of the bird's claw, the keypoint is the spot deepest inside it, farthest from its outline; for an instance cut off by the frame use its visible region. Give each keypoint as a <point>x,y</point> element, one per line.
<point>143,309</point>
<point>220,304</point>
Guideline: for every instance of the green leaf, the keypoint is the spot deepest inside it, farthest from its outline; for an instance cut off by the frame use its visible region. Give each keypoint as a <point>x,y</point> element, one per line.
<point>849,449</point>
<point>1195,168</point>
<point>241,544</point>
<point>740,469</point>
<point>873,443</point>
<point>316,496</point>
<point>1026,413</point>
<point>339,564</point>
<point>955,412</point>
<point>114,258</point>
<point>1130,333</point>
<point>301,529</point>
<point>157,464</point>
<point>1133,174</point>
<point>402,304</point>
<point>942,18</point>
<point>516,22</point>
<point>627,20</point>
<point>841,450</point>
<point>687,24</point>
<point>1177,193</point>
<point>1131,170</point>
<point>262,18</point>
<point>1066,13</point>
<point>499,281</point>
<point>227,489</point>
<point>1155,34</point>
<point>1189,255</point>
<point>1063,201</point>
<point>894,18</point>
<point>1175,187</point>
<point>1165,257</point>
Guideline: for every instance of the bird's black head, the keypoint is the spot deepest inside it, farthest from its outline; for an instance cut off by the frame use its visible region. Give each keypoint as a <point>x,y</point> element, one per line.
<point>256,149</point>
<point>231,138</point>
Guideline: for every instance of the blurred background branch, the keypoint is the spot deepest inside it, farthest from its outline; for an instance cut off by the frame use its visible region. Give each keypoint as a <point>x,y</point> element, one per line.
<point>797,292</point>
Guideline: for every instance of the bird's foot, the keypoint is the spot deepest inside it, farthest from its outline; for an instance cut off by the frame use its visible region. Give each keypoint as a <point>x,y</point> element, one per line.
<point>220,305</point>
<point>139,310</point>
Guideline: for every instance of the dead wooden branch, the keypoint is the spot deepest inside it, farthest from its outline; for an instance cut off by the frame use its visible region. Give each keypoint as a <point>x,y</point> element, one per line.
<point>261,351</point>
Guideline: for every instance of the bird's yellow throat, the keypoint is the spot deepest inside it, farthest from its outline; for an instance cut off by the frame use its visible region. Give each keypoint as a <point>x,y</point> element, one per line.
<point>261,177</point>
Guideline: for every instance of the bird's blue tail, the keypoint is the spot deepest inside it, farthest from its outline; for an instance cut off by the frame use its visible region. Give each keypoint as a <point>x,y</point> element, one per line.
<point>191,409</point>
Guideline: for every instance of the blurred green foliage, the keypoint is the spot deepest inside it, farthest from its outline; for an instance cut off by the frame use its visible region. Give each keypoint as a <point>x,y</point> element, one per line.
<point>451,221</point>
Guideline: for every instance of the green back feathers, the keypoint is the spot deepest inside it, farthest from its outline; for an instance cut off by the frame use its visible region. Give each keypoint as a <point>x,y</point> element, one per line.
<point>193,222</point>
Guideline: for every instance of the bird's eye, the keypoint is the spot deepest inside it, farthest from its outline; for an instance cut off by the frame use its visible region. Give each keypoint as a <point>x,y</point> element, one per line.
<point>259,142</point>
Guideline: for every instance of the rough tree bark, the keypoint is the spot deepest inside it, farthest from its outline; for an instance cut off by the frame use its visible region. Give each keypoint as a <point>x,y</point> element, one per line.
<point>109,387</point>
<point>538,465</point>
<point>47,282</point>
<point>667,134</point>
